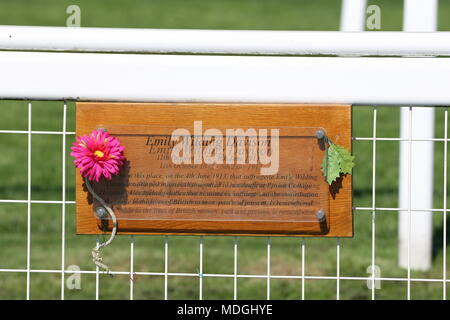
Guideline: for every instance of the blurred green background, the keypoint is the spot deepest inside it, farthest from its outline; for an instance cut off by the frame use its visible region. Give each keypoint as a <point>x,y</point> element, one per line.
<point>320,254</point>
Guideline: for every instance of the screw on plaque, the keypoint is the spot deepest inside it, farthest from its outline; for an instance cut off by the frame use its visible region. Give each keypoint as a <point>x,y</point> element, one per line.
<point>320,134</point>
<point>321,215</point>
<point>101,212</point>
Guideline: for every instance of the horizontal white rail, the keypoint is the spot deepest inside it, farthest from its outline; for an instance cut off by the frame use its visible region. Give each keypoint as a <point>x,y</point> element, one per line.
<point>225,41</point>
<point>134,77</point>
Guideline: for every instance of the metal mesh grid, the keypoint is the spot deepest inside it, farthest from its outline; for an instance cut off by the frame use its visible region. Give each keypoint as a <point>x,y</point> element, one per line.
<point>302,275</point>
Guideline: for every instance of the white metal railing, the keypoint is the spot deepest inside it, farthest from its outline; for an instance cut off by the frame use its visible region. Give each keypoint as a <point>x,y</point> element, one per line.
<point>134,77</point>
<point>225,41</point>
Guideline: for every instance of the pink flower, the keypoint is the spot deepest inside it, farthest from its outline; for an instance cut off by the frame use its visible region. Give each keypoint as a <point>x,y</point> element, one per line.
<point>98,155</point>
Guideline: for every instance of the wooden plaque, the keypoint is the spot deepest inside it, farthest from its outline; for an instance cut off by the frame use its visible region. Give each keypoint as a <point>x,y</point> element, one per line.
<point>223,169</point>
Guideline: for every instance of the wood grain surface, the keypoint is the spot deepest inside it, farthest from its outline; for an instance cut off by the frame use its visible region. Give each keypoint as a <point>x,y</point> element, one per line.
<point>335,119</point>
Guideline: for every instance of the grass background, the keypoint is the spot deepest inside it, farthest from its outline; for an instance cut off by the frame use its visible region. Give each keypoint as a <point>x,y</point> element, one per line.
<point>320,259</point>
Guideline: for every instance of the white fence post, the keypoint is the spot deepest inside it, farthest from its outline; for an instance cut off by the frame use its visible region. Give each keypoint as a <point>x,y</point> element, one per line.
<point>415,235</point>
<point>353,15</point>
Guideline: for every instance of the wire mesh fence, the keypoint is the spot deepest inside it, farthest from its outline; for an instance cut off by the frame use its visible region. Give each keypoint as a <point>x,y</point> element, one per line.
<point>41,257</point>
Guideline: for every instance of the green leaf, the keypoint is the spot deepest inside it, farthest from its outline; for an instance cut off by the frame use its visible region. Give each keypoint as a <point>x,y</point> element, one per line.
<point>336,161</point>
<point>330,165</point>
<point>345,159</point>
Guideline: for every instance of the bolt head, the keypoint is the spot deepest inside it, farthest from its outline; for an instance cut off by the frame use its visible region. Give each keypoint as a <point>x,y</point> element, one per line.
<point>320,134</point>
<point>320,215</point>
<point>101,212</point>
